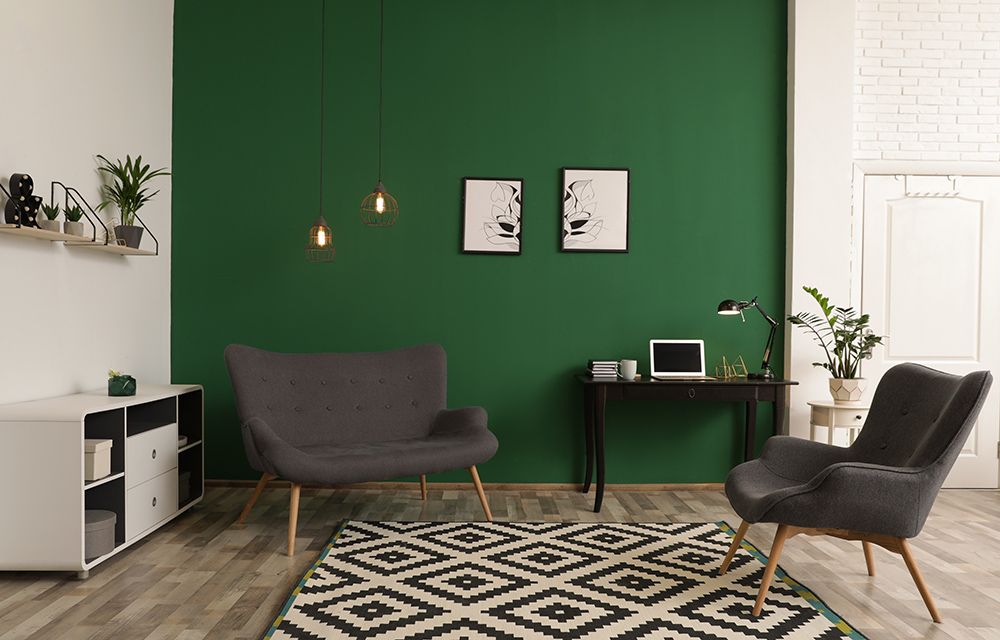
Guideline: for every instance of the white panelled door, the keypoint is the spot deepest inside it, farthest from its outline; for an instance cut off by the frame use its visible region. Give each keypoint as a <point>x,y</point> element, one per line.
<point>931,283</point>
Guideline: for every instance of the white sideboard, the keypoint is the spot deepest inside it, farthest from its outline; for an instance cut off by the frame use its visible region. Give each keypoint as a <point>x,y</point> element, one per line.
<point>43,494</point>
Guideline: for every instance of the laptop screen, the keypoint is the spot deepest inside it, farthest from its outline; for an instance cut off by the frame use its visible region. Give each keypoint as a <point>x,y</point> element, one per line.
<point>677,357</point>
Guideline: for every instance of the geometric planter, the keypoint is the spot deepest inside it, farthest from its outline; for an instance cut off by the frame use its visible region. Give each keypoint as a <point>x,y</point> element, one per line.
<point>847,390</point>
<point>132,235</point>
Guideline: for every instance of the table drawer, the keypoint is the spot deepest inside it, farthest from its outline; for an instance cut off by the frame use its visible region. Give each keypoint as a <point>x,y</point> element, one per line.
<point>149,454</point>
<point>700,391</point>
<point>839,417</point>
<point>150,503</point>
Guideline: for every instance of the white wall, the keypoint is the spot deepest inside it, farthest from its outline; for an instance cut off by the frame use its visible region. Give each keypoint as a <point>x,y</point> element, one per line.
<point>83,78</point>
<point>820,85</point>
<point>927,85</point>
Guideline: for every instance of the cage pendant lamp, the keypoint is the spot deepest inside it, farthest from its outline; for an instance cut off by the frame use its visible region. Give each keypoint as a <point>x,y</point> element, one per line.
<point>379,209</point>
<point>320,247</point>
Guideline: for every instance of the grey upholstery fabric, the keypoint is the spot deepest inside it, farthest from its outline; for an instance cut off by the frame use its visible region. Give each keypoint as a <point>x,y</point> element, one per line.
<point>338,418</point>
<point>886,482</point>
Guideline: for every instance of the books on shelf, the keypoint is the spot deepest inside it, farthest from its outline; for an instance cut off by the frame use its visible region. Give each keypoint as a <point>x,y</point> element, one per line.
<point>602,368</point>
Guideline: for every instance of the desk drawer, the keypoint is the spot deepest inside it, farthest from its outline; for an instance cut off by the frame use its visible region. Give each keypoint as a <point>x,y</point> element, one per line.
<point>701,391</point>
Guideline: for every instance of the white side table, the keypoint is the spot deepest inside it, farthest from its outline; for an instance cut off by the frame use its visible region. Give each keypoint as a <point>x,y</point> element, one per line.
<point>837,416</point>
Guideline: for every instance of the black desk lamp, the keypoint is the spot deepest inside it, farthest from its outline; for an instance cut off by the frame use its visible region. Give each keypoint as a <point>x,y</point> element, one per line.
<point>731,308</point>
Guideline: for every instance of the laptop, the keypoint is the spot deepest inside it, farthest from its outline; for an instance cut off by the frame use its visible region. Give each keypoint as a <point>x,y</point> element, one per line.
<point>678,360</point>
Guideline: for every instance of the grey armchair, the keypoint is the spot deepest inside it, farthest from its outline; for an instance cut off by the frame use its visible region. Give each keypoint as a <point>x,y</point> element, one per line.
<point>880,489</point>
<point>341,418</point>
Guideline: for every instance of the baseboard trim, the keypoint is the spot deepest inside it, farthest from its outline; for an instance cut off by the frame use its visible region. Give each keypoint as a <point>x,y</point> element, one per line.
<point>462,486</point>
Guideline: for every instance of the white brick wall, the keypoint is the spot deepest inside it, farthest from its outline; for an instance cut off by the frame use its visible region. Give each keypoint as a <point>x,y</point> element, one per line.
<point>927,80</point>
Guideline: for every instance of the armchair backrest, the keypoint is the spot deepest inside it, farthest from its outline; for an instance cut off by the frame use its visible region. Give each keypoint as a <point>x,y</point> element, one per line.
<point>920,418</point>
<point>340,398</point>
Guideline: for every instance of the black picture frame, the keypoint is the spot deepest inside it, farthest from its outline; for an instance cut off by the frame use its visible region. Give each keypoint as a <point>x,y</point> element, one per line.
<point>595,215</point>
<point>491,215</point>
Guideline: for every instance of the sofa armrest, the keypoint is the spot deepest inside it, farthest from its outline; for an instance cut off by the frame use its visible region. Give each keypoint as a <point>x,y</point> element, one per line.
<point>451,420</point>
<point>259,439</point>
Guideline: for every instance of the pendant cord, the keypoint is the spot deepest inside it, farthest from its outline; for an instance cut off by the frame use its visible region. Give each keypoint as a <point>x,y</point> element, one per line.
<point>322,76</point>
<point>381,39</point>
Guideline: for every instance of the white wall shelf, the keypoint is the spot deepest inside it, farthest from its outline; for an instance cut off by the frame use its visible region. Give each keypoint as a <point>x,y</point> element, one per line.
<point>45,495</point>
<point>111,248</point>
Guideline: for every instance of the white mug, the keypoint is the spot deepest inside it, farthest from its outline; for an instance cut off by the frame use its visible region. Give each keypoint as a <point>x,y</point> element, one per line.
<point>627,368</point>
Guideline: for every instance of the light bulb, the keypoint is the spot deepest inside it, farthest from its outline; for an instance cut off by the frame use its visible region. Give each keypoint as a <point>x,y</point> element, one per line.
<point>321,238</point>
<point>380,204</point>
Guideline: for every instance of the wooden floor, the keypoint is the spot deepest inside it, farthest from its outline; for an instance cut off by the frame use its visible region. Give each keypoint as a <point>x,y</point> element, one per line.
<point>202,576</point>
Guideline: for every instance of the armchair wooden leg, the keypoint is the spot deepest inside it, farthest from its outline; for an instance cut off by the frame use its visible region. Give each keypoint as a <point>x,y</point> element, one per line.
<point>869,559</point>
<point>479,490</point>
<point>772,564</point>
<point>293,517</point>
<point>264,479</point>
<point>742,531</point>
<point>423,487</point>
<point>911,564</point>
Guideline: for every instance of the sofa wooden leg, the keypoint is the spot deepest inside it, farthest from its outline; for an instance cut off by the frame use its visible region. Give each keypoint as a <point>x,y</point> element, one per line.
<point>869,558</point>
<point>423,487</point>
<point>293,517</point>
<point>742,531</point>
<point>772,565</point>
<point>479,490</point>
<point>264,479</point>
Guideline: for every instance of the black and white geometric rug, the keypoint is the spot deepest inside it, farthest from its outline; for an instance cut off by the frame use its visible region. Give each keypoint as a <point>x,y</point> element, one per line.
<point>558,581</point>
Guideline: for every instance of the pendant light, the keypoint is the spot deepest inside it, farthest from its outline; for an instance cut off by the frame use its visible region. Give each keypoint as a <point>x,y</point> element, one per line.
<point>379,209</point>
<point>320,247</point>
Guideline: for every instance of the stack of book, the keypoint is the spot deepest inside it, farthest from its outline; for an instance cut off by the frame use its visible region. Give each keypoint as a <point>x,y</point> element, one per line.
<point>603,368</point>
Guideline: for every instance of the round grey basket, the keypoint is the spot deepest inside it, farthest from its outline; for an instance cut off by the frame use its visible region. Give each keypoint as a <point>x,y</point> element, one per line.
<point>98,533</point>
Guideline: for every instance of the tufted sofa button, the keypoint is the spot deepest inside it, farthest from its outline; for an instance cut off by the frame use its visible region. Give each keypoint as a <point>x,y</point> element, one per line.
<point>386,405</point>
<point>291,382</point>
<point>323,382</point>
<point>414,403</point>
<point>352,381</point>
<point>359,407</point>
<point>268,407</point>
<point>409,376</point>
<point>298,410</point>
<point>264,378</point>
<point>905,411</point>
<point>381,380</point>
<point>329,409</point>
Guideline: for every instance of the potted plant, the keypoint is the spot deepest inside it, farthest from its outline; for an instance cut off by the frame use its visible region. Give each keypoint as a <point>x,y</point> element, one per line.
<point>72,225</point>
<point>48,221</point>
<point>120,384</point>
<point>846,339</point>
<point>128,192</point>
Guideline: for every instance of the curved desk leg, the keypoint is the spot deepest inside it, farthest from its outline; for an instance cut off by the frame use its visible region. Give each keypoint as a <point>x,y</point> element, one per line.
<point>588,433</point>
<point>600,401</point>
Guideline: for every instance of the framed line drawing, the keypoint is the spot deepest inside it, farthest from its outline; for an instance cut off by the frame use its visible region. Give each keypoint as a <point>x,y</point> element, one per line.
<point>595,210</point>
<point>491,215</point>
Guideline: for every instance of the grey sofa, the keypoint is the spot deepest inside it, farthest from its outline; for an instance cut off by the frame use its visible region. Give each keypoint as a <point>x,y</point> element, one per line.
<point>880,489</point>
<point>341,418</point>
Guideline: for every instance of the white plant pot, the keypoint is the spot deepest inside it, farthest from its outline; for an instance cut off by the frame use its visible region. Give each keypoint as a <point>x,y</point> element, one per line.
<point>847,390</point>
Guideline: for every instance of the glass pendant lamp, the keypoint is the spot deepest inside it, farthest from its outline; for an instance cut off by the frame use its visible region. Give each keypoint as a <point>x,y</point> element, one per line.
<point>320,247</point>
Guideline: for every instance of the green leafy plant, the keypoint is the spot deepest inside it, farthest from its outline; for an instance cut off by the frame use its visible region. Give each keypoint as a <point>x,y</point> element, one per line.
<point>128,190</point>
<point>844,335</point>
<point>114,374</point>
<point>74,213</point>
<point>51,211</point>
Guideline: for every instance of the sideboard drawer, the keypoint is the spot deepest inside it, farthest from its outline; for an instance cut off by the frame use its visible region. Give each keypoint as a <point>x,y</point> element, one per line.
<point>150,503</point>
<point>699,391</point>
<point>150,454</point>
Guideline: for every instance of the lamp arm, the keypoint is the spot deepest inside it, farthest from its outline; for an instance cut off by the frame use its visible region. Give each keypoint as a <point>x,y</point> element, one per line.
<point>770,339</point>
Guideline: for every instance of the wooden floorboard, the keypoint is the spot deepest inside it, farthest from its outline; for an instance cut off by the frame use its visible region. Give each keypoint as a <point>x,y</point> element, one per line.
<point>202,577</point>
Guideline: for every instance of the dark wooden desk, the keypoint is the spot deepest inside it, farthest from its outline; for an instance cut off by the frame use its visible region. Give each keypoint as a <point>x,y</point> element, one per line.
<point>597,393</point>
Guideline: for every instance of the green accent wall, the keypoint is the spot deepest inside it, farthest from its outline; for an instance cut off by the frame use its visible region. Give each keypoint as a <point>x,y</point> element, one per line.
<point>689,94</point>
